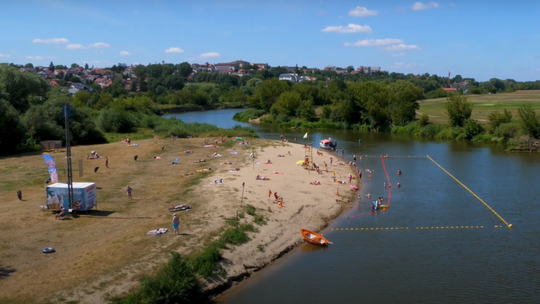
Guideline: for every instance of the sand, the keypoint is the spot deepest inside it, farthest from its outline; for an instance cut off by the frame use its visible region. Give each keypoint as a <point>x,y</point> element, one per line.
<point>104,253</point>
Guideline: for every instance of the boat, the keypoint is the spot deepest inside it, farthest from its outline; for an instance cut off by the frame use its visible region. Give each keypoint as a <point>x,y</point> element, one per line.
<point>328,144</point>
<point>314,238</point>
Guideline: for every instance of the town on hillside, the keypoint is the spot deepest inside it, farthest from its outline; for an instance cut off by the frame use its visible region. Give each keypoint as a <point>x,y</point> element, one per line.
<point>77,77</point>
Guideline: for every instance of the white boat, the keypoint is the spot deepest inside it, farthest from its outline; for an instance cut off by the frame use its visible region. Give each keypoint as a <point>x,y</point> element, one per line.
<point>328,144</point>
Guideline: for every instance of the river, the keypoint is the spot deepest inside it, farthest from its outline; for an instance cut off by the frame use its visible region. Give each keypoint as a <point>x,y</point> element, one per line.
<point>427,261</point>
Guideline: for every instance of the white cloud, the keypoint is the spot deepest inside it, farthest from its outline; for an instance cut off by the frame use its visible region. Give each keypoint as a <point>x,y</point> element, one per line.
<point>398,55</point>
<point>401,65</point>
<point>51,41</point>
<point>174,50</point>
<point>403,47</point>
<point>125,53</point>
<point>35,57</point>
<point>361,11</point>
<point>351,28</point>
<point>74,46</point>
<point>419,6</point>
<point>389,44</point>
<point>210,55</point>
<point>96,45</point>
<point>99,45</point>
<point>4,56</point>
<point>376,42</point>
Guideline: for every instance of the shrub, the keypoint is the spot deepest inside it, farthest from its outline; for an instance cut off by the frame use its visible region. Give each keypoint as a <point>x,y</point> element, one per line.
<point>115,121</point>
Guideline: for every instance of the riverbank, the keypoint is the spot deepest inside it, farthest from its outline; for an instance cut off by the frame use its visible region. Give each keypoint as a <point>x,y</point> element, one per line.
<point>104,253</point>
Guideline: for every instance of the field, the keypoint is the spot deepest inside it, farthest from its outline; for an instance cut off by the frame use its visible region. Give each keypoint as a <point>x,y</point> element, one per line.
<point>483,105</point>
<point>105,250</point>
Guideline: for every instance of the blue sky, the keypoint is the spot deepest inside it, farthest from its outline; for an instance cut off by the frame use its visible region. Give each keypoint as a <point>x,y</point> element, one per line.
<point>480,38</point>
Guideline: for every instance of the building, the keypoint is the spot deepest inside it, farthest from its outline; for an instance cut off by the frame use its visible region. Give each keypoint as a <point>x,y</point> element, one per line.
<point>294,77</point>
<point>76,87</point>
<point>235,65</point>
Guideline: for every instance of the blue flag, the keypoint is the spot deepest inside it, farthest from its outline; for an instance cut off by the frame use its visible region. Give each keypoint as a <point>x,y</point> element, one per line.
<point>49,161</point>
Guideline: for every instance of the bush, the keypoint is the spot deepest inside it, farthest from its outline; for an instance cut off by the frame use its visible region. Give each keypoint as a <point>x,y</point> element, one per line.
<point>248,114</point>
<point>507,130</point>
<point>115,121</point>
<point>173,283</point>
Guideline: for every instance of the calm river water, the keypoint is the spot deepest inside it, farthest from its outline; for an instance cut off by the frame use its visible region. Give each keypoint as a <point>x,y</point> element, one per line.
<point>478,265</point>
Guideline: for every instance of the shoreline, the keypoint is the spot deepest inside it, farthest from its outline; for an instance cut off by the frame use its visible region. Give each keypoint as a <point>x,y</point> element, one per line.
<point>241,262</point>
<point>110,249</point>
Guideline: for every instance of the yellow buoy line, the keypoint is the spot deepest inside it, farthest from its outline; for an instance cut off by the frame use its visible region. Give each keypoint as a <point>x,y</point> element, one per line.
<point>411,228</point>
<point>485,204</point>
<point>394,156</point>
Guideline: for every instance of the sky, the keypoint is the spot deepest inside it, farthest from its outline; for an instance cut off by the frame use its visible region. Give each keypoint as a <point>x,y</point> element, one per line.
<point>479,39</point>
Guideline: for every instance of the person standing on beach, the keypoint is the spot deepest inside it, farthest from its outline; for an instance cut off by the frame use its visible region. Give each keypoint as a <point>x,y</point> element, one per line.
<point>175,223</point>
<point>354,158</point>
<point>107,162</point>
<point>129,190</point>
<point>342,152</point>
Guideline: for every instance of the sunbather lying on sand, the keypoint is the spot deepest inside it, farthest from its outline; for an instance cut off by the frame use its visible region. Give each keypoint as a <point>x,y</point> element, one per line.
<point>157,157</point>
<point>188,151</point>
<point>200,161</point>
<point>204,170</point>
<point>261,178</point>
<point>187,174</point>
<point>226,163</point>
<point>281,155</point>
<point>277,173</point>
<point>316,183</point>
<point>235,170</point>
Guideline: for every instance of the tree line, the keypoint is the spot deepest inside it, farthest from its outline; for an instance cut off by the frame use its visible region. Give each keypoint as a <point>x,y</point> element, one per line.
<point>31,110</point>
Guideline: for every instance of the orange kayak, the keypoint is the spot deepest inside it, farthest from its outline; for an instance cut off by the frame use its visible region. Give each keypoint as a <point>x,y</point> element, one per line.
<point>314,238</point>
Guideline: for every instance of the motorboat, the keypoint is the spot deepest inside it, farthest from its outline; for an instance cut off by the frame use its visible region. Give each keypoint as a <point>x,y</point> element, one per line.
<point>328,144</point>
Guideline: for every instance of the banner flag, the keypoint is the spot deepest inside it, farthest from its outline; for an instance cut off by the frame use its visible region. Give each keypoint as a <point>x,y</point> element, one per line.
<point>305,135</point>
<point>49,161</point>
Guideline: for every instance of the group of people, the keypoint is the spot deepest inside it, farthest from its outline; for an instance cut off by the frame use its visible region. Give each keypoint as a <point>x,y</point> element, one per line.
<point>93,155</point>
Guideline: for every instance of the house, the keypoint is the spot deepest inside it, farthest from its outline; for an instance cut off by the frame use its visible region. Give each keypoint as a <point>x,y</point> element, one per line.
<point>261,66</point>
<point>103,81</point>
<point>76,87</point>
<point>235,65</point>
<point>294,77</point>
<point>53,83</point>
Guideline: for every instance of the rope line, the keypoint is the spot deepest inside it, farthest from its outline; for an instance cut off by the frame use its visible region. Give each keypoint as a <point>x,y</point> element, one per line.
<point>485,204</point>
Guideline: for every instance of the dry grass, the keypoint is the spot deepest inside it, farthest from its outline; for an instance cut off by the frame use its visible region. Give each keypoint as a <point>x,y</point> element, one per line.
<point>107,249</point>
<point>483,105</point>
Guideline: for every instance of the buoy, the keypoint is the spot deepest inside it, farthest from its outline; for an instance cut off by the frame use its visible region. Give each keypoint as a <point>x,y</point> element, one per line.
<point>48,250</point>
<point>509,225</point>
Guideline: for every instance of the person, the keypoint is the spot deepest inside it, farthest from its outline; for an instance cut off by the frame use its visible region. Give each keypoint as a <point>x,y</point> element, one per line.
<point>384,185</point>
<point>129,190</point>
<point>398,184</point>
<point>107,162</point>
<point>399,172</point>
<point>61,213</point>
<point>175,223</point>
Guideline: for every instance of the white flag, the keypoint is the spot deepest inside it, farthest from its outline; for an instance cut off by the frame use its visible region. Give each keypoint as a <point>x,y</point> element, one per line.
<point>305,135</point>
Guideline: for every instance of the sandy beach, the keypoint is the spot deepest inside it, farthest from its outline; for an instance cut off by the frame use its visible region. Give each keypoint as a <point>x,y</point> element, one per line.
<point>104,253</point>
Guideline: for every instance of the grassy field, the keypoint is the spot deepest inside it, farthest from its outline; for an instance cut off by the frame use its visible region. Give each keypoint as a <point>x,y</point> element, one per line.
<point>94,250</point>
<point>483,105</point>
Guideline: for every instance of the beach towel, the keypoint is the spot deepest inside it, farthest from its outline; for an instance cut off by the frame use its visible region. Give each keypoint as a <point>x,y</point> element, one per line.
<point>175,161</point>
<point>234,152</point>
<point>277,173</point>
<point>182,207</point>
<point>157,231</point>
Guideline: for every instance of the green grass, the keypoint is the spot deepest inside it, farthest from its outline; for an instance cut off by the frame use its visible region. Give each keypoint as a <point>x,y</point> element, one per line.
<point>142,133</point>
<point>483,105</point>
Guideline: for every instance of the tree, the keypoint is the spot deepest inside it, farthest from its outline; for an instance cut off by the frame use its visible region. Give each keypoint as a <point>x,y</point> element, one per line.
<point>74,65</point>
<point>11,129</point>
<point>529,121</point>
<point>496,118</point>
<point>86,66</point>
<point>404,98</point>
<point>267,93</point>
<point>286,104</point>
<point>29,66</point>
<point>51,67</point>
<point>458,109</point>
<point>185,69</point>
